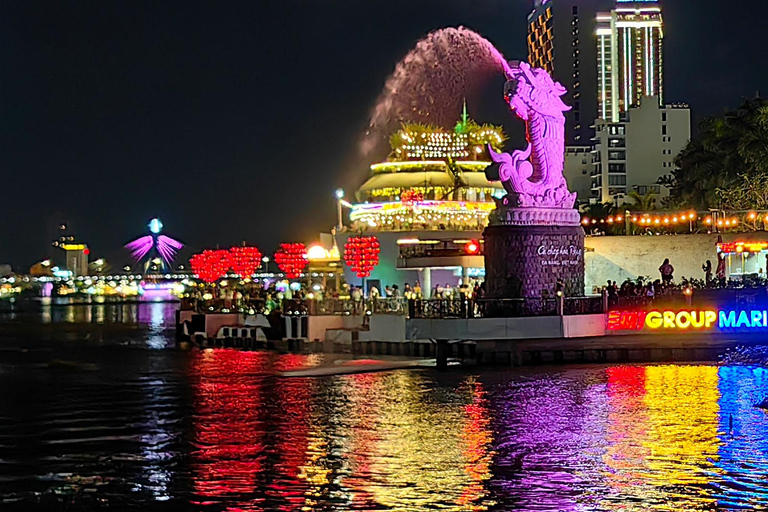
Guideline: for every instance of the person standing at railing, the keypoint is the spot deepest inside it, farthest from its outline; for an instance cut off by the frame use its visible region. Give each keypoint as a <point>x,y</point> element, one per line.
<point>479,297</point>
<point>720,272</point>
<point>650,292</point>
<point>666,270</point>
<point>357,299</point>
<point>417,291</point>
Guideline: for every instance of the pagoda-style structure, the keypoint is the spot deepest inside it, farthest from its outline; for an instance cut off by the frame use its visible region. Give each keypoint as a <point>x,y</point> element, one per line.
<point>433,180</point>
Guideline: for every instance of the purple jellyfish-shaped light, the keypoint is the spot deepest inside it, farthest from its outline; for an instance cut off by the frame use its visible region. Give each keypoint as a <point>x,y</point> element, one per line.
<point>166,246</point>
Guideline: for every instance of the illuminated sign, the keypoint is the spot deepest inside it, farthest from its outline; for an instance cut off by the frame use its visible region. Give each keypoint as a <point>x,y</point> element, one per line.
<point>73,247</point>
<point>731,247</point>
<point>743,319</point>
<point>670,321</point>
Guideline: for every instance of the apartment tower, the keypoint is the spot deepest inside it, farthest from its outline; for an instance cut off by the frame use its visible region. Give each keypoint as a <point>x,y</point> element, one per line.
<point>561,39</point>
<point>630,62</point>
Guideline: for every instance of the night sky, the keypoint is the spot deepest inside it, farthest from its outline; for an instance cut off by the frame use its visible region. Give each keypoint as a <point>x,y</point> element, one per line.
<point>236,121</point>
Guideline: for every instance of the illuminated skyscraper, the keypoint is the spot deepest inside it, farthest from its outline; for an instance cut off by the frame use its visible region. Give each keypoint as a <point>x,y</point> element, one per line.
<point>629,56</point>
<point>561,40</point>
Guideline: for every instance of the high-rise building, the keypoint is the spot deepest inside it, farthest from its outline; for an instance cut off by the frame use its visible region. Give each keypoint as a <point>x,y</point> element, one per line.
<point>577,170</point>
<point>561,40</point>
<point>633,153</point>
<point>629,56</point>
<point>71,256</point>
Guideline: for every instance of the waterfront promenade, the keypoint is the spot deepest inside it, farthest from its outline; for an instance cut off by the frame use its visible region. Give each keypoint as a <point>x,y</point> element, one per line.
<point>556,331</point>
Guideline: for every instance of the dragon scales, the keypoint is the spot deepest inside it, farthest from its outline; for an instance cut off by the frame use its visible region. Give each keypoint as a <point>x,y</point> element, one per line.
<point>533,177</point>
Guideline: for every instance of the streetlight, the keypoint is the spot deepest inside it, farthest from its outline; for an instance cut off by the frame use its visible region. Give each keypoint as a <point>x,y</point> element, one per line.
<point>339,197</point>
<point>265,259</point>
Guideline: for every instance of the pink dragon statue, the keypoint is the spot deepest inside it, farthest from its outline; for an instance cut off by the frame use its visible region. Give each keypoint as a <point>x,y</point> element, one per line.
<point>539,183</point>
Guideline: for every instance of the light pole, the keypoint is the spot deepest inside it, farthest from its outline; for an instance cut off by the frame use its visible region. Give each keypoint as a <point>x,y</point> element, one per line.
<point>627,228</point>
<point>339,197</point>
<point>265,259</point>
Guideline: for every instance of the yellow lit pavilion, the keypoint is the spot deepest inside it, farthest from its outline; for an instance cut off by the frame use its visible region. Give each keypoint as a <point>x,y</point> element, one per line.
<point>434,179</point>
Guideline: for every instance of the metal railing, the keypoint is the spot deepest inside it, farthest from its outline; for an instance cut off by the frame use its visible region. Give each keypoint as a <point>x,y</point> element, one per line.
<point>222,305</point>
<point>380,306</point>
<point>414,308</point>
<point>504,308</point>
<point>643,302</point>
<point>592,305</point>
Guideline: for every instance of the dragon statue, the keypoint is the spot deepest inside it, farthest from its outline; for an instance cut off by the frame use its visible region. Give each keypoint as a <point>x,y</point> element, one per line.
<point>533,177</point>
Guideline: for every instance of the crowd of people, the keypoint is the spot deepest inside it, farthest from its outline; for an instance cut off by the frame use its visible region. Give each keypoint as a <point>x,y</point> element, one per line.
<point>639,288</point>
<point>445,292</point>
<point>272,296</point>
<point>642,288</point>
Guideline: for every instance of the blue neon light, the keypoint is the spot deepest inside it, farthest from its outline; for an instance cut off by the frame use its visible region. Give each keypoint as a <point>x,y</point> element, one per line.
<point>753,319</point>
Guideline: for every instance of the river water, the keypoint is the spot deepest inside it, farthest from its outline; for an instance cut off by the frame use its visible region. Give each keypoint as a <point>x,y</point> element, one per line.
<point>131,422</point>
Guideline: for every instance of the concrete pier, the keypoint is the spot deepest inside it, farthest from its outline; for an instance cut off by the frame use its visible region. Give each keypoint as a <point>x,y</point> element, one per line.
<point>578,339</point>
<point>643,348</point>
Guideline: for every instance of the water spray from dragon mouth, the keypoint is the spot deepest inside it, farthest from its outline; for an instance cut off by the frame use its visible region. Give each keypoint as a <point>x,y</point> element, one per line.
<point>430,83</point>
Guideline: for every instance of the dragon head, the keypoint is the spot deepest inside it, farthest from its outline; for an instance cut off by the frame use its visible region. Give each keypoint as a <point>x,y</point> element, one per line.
<point>532,90</point>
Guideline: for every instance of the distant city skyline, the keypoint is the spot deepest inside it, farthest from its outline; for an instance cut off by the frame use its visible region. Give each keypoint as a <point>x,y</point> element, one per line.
<point>239,123</point>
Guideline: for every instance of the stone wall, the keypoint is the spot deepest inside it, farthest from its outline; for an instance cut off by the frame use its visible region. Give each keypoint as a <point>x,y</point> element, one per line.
<point>527,261</point>
<point>485,328</point>
<point>523,328</point>
<point>620,257</point>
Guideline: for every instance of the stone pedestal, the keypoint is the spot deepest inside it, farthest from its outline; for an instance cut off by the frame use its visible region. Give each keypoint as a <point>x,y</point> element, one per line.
<point>526,253</point>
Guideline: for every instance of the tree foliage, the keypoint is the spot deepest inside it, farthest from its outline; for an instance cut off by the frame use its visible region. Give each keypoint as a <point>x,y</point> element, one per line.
<point>727,149</point>
<point>641,203</point>
<point>749,192</point>
<point>599,210</point>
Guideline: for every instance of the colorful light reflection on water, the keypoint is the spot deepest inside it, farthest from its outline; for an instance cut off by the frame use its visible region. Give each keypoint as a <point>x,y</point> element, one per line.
<point>616,438</point>
<point>218,430</point>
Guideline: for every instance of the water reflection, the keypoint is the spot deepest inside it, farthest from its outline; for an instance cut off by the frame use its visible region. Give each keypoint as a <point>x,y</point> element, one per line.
<point>64,310</point>
<point>478,437</point>
<point>743,452</point>
<point>219,430</point>
<point>372,440</point>
<point>550,441</point>
<point>158,441</point>
<point>411,448</point>
<point>229,434</point>
<point>664,436</point>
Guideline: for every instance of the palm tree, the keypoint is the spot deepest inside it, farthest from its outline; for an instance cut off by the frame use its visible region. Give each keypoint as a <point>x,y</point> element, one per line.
<point>726,148</point>
<point>599,210</point>
<point>642,203</point>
